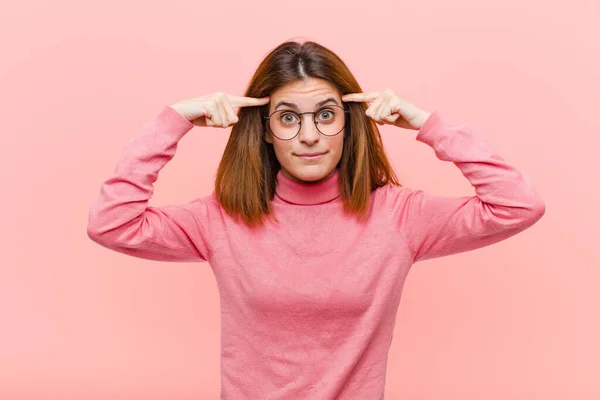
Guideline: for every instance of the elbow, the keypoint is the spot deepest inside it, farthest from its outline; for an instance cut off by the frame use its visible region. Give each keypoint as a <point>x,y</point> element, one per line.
<point>537,209</point>
<point>94,225</point>
<point>97,232</point>
<point>115,236</point>
<point>518,217</point>
<point>101,228</point>
<point>540,208</point>
<point>533,213</point>
<point>101,238</point>
<point>93,233</point>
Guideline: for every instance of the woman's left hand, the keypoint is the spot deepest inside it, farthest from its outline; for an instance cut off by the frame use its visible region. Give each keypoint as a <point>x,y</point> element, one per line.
<point>388,108</point>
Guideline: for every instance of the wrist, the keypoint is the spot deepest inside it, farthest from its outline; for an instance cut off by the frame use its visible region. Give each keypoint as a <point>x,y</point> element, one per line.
<point>176,108</point>
<point>420,120</point>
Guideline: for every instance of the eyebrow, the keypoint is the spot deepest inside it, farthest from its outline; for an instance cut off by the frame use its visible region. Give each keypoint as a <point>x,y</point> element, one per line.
<point>292,105</point>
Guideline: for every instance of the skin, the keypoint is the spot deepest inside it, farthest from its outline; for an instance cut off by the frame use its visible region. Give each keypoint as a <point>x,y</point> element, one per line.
<point>306,94</point>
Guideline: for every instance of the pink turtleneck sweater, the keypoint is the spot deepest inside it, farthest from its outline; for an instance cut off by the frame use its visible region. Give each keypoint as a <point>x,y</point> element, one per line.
<point>308,306</point>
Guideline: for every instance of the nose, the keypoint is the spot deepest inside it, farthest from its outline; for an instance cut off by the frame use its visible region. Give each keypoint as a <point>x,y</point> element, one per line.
<point>309,133</point>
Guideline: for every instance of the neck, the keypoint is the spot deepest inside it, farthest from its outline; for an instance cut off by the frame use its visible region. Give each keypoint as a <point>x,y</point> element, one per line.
<point>296,191</point>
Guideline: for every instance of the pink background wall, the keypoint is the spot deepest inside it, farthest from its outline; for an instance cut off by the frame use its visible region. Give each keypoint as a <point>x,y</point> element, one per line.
<point>518,320</point>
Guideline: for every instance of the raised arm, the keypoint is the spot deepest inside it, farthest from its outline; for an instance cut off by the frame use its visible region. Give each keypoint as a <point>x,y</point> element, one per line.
<point>505,202</point>
<point>120,218</point>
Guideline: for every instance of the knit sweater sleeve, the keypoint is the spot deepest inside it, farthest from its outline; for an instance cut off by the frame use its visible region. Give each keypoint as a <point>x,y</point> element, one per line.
<point>505,202</point>
<point>120,218</point>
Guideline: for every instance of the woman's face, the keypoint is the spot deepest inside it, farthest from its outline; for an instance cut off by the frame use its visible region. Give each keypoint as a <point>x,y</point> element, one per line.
<point>305,96</point>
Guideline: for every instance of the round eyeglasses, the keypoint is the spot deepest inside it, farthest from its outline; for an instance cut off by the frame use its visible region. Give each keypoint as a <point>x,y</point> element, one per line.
<point>286,124</point>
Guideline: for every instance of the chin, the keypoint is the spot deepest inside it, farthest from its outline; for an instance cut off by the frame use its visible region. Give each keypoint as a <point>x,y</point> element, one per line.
<point>311,173</point>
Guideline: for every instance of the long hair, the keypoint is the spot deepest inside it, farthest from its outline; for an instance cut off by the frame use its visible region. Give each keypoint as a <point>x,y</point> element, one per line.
<point>246,176</point>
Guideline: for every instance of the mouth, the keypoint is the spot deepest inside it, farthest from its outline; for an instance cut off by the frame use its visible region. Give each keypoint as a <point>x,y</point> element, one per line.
<point>311,156</point>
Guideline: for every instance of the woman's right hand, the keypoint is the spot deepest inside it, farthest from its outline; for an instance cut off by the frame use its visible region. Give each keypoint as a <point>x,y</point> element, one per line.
<point>215,109</point>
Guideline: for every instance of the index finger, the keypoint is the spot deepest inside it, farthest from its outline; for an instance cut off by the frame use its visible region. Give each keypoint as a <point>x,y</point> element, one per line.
<point>360,96</point>
<point>242,101</point>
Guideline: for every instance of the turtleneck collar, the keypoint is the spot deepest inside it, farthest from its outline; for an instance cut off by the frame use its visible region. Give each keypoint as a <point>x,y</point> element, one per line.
<point>308,193</point>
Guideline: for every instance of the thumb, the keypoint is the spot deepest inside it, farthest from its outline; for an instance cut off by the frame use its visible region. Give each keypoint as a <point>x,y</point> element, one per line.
<point>392,118</point>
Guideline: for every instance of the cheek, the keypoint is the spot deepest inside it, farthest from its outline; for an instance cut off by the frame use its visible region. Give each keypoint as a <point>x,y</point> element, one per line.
<point>283,150</point>
<point>339,142</point>
<point>336,145</point>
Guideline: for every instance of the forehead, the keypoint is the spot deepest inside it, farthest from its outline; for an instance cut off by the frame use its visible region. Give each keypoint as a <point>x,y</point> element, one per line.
<point>305,92</point>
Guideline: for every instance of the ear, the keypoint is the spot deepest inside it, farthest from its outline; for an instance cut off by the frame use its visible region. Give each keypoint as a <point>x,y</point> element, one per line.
<point>267,138</point>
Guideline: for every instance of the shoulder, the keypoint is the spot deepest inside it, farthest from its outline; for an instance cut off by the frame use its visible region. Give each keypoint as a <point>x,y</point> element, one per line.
<point>400,202</point>
<point>205,206</point>
<point>393,195</point>
<point>210,200</point>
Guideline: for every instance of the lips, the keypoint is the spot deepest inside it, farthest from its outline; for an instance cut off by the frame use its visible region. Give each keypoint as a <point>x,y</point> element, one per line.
<point>311,156</point>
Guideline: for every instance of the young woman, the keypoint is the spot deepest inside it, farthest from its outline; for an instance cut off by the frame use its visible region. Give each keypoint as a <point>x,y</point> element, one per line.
<point>308,232</point>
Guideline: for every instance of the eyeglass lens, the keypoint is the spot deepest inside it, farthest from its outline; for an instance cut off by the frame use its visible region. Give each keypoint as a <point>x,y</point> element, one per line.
<point>285,124</point>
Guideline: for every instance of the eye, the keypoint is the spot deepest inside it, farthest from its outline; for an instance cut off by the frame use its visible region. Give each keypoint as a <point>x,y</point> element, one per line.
<point>326,114</point>
<point>288,118</point>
